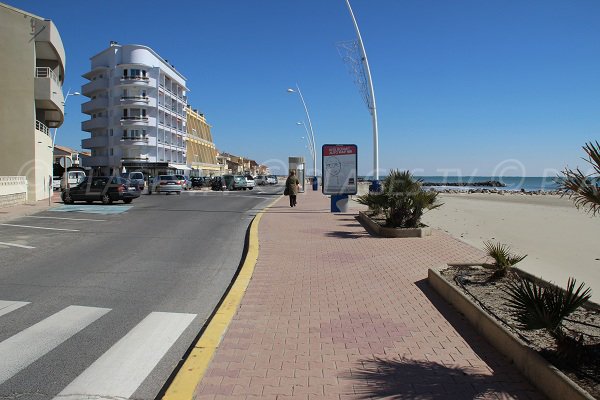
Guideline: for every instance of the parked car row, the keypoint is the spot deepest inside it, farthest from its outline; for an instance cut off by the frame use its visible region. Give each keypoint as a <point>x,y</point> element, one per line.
<point>101,188</point>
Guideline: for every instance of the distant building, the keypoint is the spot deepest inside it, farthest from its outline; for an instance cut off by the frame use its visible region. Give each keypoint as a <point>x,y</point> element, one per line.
<point>137,112</point>
<point>32,72</point>
<point>201,151</point>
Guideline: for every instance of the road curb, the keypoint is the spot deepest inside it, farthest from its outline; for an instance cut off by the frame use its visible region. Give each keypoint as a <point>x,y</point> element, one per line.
<point>194,367</point>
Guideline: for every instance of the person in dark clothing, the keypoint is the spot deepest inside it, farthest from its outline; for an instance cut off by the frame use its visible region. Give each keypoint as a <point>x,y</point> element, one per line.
<point>291,184</point>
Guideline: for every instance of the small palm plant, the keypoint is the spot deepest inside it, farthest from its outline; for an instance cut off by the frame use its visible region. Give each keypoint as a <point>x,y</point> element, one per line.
<point>545,307</point>
<point>584,189</point>
<point>402,201</point>
<point>504,259</point>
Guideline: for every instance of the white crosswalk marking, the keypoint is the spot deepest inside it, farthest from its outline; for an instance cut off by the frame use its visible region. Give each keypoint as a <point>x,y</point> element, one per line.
<point>122,369</point>
<point>8,306</point>
<point>22,349</point>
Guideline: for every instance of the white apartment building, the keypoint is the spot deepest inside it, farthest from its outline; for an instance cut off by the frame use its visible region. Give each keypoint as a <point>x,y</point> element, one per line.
<point>32,72</point>
<point>137,112</point>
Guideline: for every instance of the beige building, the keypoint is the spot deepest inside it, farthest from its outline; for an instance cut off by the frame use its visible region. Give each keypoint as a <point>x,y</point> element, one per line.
<point>201,151</point>
<point>32,72</point>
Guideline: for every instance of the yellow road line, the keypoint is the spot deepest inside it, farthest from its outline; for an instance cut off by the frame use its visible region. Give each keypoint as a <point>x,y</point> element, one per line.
<point>196,364</point>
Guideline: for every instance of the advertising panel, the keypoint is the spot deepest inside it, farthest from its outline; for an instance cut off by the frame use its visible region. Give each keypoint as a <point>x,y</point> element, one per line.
<point>340,166</point>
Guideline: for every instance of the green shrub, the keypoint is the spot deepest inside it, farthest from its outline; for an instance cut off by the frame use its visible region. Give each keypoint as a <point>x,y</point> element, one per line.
<point>402,201</point>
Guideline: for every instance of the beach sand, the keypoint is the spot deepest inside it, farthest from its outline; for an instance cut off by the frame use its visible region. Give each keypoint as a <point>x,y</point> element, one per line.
<point>560,241</point>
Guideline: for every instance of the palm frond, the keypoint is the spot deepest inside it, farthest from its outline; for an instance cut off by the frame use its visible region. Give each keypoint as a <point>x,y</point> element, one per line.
<point>502,254</point>
<point>583,189</point>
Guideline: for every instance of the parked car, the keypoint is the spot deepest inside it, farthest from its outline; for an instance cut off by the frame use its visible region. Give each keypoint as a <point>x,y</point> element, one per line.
<point>234,182</point>
<point>272,180</point>
<point>186,181</point>
<point>101,188</point>
<point>74,178</point>
<point>197,182</point>
<point>56,183</point>
<point>261,180</point>
<point>136,178</point>
<point>166,184</point>
<point>217,183</point>
<point>249,182</point>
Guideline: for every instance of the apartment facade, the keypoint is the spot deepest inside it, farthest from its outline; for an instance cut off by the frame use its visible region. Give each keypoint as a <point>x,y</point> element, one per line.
<point>32,73</point>
<point>137,108</point>
<point>201,151</point>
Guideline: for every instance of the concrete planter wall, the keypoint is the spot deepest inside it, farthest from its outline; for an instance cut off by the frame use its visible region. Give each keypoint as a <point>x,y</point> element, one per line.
<point>375,228</point>
<point>13,190</point>
<point>547,378</point>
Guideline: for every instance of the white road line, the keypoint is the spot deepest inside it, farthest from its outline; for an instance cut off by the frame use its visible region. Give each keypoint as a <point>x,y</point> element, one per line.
<point>41,227</point>
<point>17,245</point>
<point>69,219</point>
<point>8,306</point>
<point>22,349</point>
<point>122,369</point>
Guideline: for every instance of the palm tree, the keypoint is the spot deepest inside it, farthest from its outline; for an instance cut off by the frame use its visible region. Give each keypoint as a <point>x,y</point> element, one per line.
<point>585,189</point>
<point>504,259</point>
<point>545,307</point>
<point>402,201</point>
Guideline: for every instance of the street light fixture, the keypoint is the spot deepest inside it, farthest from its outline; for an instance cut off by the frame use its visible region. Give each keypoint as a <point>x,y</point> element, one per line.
<point>311,147</point>
<point>54,142</point>
<point>312,135</point>
<point>376,185</point>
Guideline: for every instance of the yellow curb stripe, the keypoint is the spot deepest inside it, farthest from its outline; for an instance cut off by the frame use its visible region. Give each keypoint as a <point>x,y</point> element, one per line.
<point>196,364</point>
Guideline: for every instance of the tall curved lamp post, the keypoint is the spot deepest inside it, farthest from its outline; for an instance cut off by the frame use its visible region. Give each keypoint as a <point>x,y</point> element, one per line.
<point>376,185</point>
<point>54,142</point>
<point>312,134</point>
<point>311,146</point>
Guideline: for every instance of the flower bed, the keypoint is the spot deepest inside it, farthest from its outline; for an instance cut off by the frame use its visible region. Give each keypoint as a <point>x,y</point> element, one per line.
<point>534,352</point>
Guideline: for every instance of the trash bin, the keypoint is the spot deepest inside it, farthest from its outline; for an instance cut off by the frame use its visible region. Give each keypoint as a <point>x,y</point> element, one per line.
<point>339,203</point>
<point>315,183</point>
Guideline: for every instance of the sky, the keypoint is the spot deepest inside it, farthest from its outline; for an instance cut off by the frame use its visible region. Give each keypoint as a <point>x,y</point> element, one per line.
<point>463,87</point>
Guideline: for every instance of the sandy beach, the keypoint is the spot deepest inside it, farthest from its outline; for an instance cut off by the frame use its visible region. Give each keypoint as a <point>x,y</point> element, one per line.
<point>560,240</point>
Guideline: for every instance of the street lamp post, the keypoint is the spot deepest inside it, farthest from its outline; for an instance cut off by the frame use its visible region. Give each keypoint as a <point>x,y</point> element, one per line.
<point>311,146</point>
<point>312,134</point>
<point>376,185</point>
<point>54,142</point>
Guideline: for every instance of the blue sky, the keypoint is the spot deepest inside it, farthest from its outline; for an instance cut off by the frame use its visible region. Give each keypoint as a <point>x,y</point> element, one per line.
<point>463,87</point>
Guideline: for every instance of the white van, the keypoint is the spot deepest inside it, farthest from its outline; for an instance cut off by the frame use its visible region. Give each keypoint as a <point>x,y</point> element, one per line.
<point>75,177</point>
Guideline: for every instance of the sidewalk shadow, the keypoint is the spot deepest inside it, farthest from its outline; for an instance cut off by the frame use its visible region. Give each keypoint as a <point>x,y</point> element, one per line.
<point>346,234</point>
<point>424,380</point>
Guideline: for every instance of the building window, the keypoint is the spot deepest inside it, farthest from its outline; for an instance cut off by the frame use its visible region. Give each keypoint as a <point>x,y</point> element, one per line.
<point>111,151</point>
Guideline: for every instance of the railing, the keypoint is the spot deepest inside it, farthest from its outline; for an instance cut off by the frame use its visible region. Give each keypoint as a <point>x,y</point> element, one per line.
<point>138,119</point>
<point>45,72</point>
<point>41,127</point>
<point>144,98</point>
<point>135,78</point>
<point>140,158</point>
<point>136,138</point>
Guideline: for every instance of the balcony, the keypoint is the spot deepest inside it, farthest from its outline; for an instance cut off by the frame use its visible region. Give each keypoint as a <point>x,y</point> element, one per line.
<point>48,94</point>
<point>98,141</point>
<point>134,120</point>
<point>140,158</point>
<point>39,126</point>
<point>135,100</point>
<point>96,104</point>
<point>94,86</point>
<point>94,123</point>
<point>134,81</point>
<point>135,141</point>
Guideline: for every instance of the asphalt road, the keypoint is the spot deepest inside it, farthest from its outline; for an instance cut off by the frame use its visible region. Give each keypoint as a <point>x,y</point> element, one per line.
<point>107,300</point>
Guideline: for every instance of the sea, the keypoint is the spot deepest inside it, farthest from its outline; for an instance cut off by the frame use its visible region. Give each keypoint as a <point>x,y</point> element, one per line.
<point>513,183</point>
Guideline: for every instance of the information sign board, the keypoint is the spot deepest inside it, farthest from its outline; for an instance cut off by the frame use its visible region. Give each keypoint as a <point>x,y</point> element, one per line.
<point>340,166</point>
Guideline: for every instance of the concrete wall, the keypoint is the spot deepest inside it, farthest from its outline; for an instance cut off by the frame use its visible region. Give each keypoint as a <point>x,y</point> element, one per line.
<point>13,190</point>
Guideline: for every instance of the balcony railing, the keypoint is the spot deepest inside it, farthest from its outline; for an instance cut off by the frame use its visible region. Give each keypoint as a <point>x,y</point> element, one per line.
<point>41,127</point>
<point>137,158</point>
<point>135,78</point>
<point>45,72</point>
<point>134,118</point>
<point>135,138</point>
<point>140,98</point>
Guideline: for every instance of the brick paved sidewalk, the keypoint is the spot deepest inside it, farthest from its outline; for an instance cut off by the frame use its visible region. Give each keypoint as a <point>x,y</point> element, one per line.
<point>15,211</point>
<point>332,313</point>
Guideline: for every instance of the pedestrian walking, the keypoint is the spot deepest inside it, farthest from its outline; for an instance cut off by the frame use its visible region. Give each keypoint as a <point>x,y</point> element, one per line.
<point>291,187</point>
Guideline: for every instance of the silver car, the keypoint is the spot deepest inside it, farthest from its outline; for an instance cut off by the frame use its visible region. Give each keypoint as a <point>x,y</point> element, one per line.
<point>166,184</point>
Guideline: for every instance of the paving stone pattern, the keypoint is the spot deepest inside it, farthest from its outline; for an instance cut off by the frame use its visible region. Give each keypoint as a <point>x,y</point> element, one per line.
<point>332,313</point>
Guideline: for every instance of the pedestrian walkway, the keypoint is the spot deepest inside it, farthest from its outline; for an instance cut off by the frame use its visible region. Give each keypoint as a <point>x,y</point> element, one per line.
<point>333,313</point>
<point>19,210</point>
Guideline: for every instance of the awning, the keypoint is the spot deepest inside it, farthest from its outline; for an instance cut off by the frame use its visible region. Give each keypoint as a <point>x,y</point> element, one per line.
<point>182,167</point>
